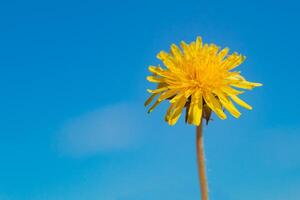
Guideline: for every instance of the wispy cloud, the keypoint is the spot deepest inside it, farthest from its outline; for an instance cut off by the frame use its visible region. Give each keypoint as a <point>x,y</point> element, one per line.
<point>111,128</point>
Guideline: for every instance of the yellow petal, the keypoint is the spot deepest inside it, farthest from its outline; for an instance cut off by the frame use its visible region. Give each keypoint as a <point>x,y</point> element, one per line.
<point>245,85</point>
<point>157,70</point>
<point>167,94</point>
<point>257,84</point>
<point>159,90</point>
<point>166,59</point>
<point>150,99</point>
<point>223,53</point>
<point>214,104</point>
<point>155,79</point>
<point>230,91</point>
<point>240,102</point>
<point>185,49</point>
<point>233,61</point>
<point>225,101</point>
<point>234,78</point>
<point>153,106</point>
<point>176,98</point>
<point>177,111</point>
<point>192,47</point>
<point>186,94</point>
<point>195,110</point>
<point>198,43</point>
<point>169,111</point>
<point>176,52</point>
<point>213,49</point>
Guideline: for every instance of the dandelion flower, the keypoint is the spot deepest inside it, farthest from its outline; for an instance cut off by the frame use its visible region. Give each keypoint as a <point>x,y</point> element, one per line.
<point>199,78</point>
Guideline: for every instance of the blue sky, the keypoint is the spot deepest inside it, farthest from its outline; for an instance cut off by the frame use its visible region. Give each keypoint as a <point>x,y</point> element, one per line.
<point>72,85</point>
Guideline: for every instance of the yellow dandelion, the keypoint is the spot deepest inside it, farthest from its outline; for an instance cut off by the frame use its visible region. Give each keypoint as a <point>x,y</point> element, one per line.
<point>198,77</point>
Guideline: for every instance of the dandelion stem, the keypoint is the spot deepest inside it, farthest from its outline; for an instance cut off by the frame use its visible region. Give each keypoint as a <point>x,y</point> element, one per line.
<point>201,163</point>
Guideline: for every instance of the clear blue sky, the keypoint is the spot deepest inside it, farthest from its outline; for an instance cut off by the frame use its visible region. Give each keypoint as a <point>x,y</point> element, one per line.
<point>72,86</point>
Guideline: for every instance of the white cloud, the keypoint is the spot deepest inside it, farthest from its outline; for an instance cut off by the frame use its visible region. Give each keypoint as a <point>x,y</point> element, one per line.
<point>114,127</point>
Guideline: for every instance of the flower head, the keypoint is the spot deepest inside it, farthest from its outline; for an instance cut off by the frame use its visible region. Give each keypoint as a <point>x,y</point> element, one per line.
<point>199,78</point>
